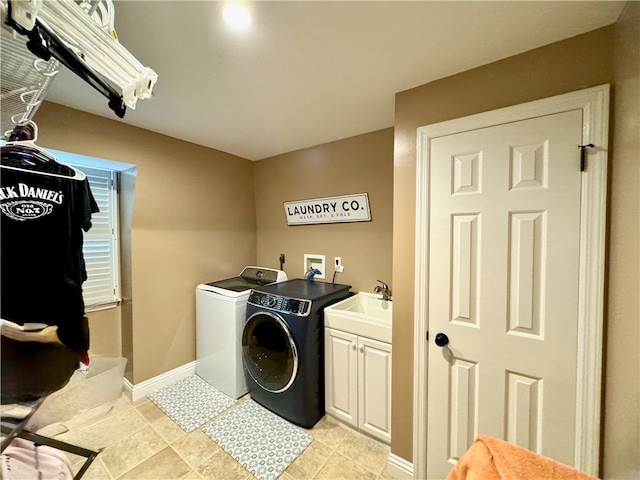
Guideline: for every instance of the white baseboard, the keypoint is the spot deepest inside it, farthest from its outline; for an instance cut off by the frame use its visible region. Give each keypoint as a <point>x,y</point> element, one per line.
<point>141,390</point>
<point>399,468</point>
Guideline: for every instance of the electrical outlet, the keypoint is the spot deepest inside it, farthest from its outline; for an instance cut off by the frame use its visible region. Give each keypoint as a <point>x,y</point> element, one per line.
<point>337,263</point>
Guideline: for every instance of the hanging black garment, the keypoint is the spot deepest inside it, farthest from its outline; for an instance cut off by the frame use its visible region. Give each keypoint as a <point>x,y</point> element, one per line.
<point>43,209</point>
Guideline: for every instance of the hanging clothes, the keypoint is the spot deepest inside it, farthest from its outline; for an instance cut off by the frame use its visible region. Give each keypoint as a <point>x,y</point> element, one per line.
<point>26,460</point>
<point>44,208</point>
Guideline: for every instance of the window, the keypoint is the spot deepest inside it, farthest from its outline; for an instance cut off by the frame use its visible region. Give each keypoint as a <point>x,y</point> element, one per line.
<point>113,185</point>
<point>101,242</point>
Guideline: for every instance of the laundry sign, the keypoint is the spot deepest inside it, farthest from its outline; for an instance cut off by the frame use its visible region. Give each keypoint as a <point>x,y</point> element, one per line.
<point>344,208</point>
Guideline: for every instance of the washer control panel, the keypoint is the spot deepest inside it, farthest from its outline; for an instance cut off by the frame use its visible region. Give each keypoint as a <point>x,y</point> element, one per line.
<point>294,306</point>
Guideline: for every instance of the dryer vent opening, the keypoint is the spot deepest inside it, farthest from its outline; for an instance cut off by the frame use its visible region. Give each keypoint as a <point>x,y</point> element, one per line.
<point>269,352</point>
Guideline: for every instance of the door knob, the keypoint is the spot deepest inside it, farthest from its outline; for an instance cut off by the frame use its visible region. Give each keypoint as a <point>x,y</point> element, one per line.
<point>441,339</point>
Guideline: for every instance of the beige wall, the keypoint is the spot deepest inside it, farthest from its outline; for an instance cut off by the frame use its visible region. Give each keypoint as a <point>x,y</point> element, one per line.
<point>622,387</point>
<point>361,164</point>
<point>579,62</point>
<point>106,333</point>
<point>193,221</point>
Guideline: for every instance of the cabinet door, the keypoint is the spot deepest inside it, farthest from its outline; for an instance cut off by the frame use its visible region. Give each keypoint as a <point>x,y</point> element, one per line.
<point>375,388</point>
<point>341,375</point>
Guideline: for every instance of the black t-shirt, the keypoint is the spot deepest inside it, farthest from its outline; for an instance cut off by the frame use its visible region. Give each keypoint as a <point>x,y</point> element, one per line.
<point>43,213</point>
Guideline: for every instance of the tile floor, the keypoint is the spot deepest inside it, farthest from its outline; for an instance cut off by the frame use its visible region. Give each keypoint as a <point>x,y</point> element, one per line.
<point>140,442</point>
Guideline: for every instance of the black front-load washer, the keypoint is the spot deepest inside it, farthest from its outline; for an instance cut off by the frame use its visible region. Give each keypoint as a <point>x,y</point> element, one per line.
<point>283,347</point>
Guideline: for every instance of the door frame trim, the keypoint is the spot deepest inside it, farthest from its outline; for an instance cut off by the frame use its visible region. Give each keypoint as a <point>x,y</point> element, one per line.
<point>594,103</point>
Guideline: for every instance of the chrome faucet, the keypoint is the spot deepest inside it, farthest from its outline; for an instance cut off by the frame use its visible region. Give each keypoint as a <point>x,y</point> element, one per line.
<point>384,290</point>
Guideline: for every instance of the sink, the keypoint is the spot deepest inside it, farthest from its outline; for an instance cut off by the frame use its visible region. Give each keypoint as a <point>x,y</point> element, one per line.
<point>364,314</point>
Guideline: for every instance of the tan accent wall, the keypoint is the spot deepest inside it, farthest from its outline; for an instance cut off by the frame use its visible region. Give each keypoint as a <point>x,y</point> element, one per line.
<point>361,164</point>
<point>569,65</point>
<point>622,362</point>
<point>106,332</point>
<point>193,222</point>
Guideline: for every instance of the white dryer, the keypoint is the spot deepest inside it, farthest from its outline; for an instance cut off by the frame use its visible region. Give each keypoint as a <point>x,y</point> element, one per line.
<point>220,315</point>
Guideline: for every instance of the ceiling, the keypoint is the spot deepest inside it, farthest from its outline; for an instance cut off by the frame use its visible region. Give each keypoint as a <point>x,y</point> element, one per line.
<point>307,72</point>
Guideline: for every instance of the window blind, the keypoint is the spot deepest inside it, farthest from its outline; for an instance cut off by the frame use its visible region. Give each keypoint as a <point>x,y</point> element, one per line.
<point>100,247</point>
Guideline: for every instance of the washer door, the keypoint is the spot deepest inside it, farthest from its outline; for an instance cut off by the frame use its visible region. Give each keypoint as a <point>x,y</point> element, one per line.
<point>269,352</point>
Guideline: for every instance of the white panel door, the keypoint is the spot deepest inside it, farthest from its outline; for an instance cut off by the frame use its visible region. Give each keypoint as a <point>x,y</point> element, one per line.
<point>503,288</point>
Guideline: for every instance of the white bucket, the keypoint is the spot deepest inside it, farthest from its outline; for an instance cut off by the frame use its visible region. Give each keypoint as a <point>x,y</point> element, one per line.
<point>100,383</point>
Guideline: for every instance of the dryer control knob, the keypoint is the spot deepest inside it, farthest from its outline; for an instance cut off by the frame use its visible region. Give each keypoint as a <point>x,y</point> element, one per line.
<point>271,302</point>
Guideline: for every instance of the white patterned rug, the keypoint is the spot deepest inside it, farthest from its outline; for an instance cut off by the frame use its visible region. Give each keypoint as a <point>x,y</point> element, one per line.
<point>191,402</point>
<point>263,442</point>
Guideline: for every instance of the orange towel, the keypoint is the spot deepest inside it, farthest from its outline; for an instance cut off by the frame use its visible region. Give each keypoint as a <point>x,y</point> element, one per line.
<point>490,458</point>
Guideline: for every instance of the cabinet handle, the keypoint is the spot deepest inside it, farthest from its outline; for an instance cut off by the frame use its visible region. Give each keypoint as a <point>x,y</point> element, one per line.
<point>361,349</point>
<point>353,345</point>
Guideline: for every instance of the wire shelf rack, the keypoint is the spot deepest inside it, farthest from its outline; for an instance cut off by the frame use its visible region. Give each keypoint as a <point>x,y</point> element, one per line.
<point>25,77</point>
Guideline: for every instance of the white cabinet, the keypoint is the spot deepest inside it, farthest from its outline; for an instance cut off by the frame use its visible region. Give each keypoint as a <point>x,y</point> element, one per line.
<point>341,375</point>
<point>358,382</point>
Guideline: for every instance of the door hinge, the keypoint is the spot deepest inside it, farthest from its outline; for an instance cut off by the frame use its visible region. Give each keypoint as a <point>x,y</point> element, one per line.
<point>583,155</point>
